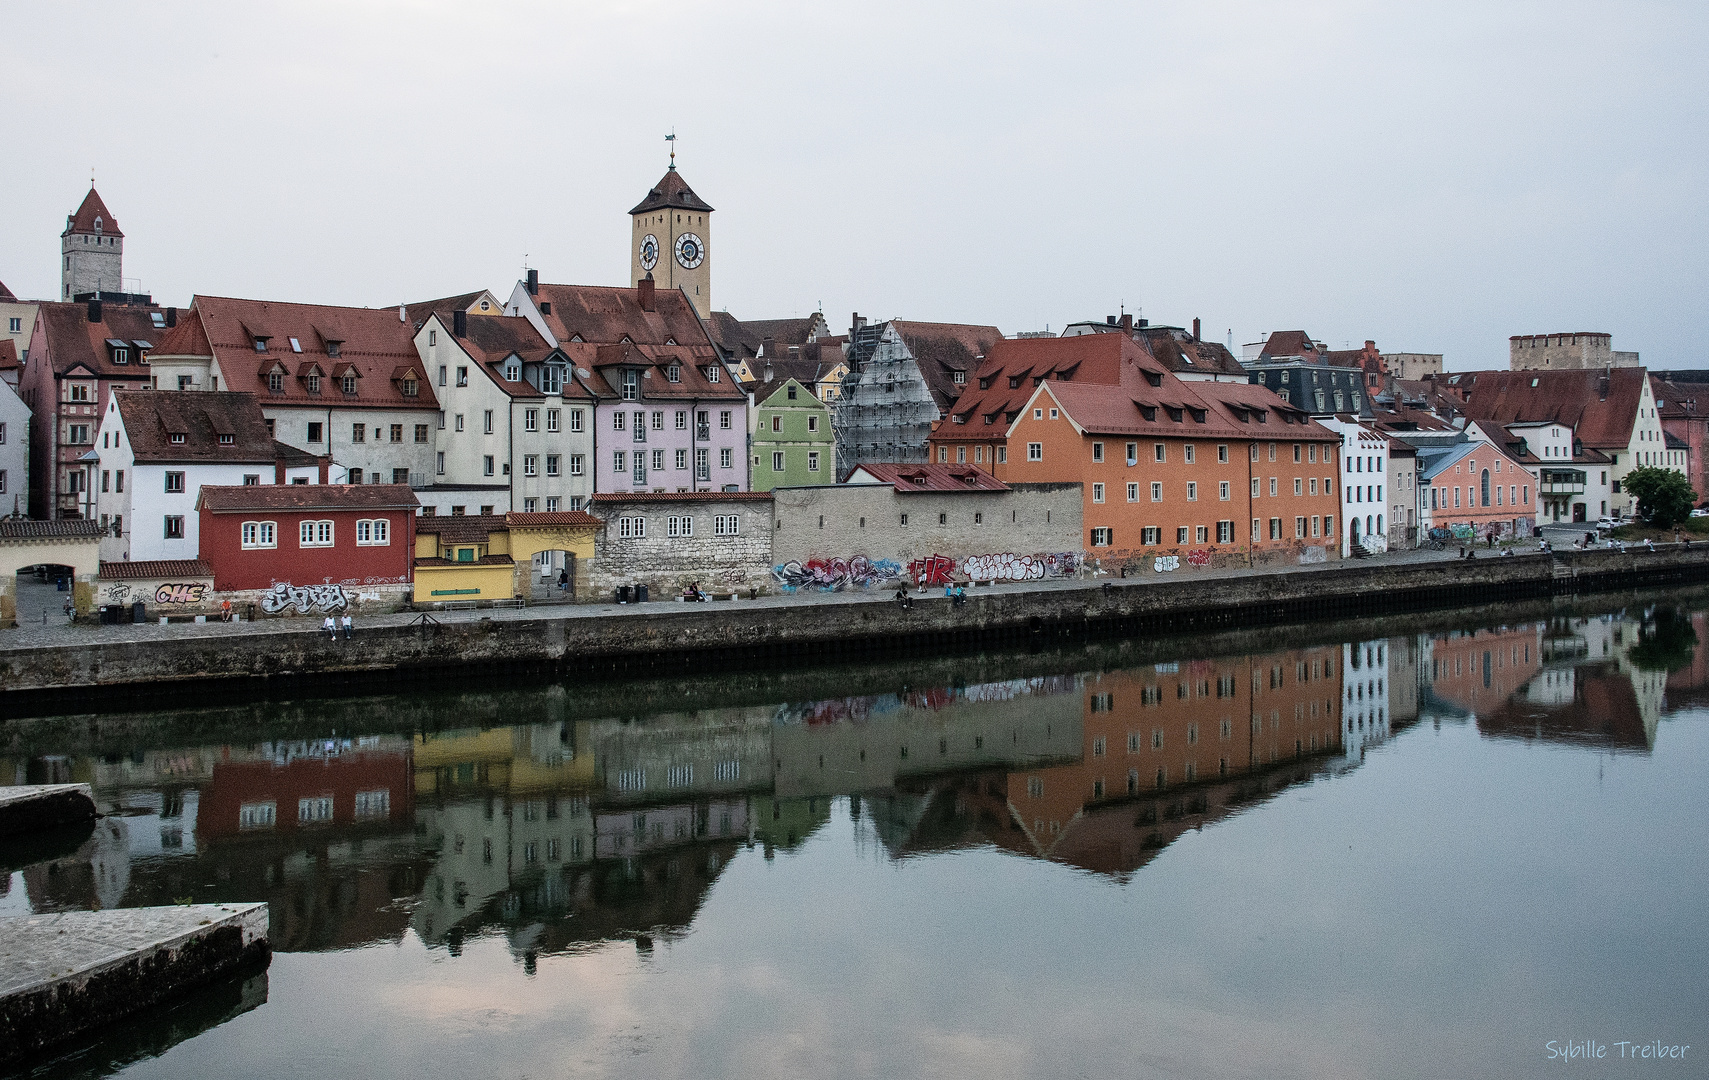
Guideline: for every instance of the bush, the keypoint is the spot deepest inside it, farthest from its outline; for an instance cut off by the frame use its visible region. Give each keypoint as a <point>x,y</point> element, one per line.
<point>1665,497</point>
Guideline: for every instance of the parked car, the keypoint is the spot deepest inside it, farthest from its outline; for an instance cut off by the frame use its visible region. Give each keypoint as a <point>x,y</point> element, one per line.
<point>1700,513</point>
<point>1603,524</point>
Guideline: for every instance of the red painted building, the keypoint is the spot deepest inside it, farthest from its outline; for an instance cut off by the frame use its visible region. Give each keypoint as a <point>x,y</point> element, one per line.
<point>307,534</point>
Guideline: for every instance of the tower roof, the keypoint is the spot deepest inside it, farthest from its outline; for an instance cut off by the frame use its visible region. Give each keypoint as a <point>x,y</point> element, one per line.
<point>84,220</point>
<point>671,191</point>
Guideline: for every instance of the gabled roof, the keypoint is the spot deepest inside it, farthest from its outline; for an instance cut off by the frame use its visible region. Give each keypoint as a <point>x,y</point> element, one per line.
<point>185,339</point>
<point>491,340</point>
<point>910,478</point>
<point>151,418</point>
<point>83,221</point>
<point>599,327</point>
<point>8,355</point>
<point>545,521</point>
<point>308,497</point>
<point>62,529</point>
<point>671,191</point>
<point>155,568</point>
<point>942,349</point>
<point>988,403</point>
<point>5,293</point>
<point>418,312</point>
<point>1285,343</point>
<point>1178,350</point>
<point>744,339</point>
<point>372,343</point>
<point>1601,406</point>
<point>71,339</point>
<point>462,528</point>
<point>805,372</point>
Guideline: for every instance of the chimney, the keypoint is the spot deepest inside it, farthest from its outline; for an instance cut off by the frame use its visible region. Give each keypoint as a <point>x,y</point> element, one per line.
<point>856,322</point>
<point>533,283</point>
<point>1195,329</point>
<point>171,317</point>
<point>644,292</point>
<point>325,464</point>
<point>768,347</point>
<point>403,316</point>
<point>460,323</point>
<point>1127,324</point>
<point>1602,388</point>
<point>95,310</point>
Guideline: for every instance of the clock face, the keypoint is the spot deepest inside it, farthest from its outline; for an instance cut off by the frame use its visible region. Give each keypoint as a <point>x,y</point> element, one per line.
<point>690,251</point>
<point>649,251</point>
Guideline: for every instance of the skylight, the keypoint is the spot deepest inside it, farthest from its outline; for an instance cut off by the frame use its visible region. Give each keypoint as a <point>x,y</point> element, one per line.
<point>296,346</point>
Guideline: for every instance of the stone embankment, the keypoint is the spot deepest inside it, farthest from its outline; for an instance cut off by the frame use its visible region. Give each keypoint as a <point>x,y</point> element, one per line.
<point>665,638</point>
<point>36,808</point>
<point>64,974</point>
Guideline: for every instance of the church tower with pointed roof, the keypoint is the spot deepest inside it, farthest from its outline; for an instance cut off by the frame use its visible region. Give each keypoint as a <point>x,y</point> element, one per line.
<point>92,251</point>
<point>671,240</point>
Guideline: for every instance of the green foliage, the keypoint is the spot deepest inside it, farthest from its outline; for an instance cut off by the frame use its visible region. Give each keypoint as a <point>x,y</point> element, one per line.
<point>1665,497</point>
<point>1666,641</point>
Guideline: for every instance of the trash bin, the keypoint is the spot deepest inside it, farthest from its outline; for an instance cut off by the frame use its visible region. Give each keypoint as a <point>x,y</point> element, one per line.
<point>622,594</point>
<point>640,594</point>
<point>138,613</point>
<point>107,618</point>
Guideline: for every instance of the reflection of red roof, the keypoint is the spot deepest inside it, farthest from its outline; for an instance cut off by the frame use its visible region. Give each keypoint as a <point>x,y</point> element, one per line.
<point>930,478</point>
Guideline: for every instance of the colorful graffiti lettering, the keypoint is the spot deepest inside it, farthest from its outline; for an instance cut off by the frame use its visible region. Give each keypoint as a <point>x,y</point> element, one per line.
<point>180,594</point>
<point>305,598</point>
<point>1003,567</point>
<point>1200,559</point>
<point>1165,563</point>
<point>932,570</point>
<point>835,575</point>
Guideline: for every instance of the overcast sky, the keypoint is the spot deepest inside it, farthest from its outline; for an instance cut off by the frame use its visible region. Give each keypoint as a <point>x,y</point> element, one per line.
<point>1435,177</point>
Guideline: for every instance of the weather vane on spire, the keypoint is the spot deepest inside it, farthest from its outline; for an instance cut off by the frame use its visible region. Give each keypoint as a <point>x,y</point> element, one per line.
<point>671,138</point>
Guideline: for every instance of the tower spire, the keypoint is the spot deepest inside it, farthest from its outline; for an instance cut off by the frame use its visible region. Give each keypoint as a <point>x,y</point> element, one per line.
<point>671,138</point>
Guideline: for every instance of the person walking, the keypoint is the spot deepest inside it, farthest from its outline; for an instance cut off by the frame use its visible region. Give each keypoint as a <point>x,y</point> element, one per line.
<point>346,621</point>
<point>564,580</point>
<point>330,627</point>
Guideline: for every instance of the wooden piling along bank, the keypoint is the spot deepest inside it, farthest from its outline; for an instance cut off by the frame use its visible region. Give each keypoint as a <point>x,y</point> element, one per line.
<point>670,638</point>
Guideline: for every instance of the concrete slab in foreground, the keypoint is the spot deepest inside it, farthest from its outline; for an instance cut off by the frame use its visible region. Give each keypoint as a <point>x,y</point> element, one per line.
<point>37,807</point>
<point>67,973</point>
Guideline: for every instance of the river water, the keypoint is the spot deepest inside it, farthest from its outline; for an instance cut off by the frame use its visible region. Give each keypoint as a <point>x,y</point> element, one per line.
<point>1449,849</point>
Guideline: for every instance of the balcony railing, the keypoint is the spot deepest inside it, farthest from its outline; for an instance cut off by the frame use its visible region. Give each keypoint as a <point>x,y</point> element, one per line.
<point>1560,487</point>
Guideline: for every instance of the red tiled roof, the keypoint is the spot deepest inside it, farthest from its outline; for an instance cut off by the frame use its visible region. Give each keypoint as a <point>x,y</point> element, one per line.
<point>1229,411</point>
<point>155,568</point>
<point>942,349</point>
<point>5,293</point>
<point>418,312</point>
<point>671,191</point>
<point>8,355</point>
<point>371,341</point>
<point>1601,406</point>
<point>493,339</point>
<point>152,417</point>
<point>307,497</point>
<point>928,478</point>
<point>65,529</point>
<point>83,221</point>
<point>1178,350</point>
<point>430,561</point>
<point>72,340</point>
<point>1109,360</point>
<point>461,528</point>
<point>537,521</point>
<point>680,496</point>
<point>1289,343</point>
<point>185,339</point>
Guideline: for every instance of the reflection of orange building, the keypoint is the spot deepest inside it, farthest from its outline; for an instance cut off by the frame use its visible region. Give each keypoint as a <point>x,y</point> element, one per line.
<point>355,787</point>
<point>1482,668</point>
<point>1149,730</point>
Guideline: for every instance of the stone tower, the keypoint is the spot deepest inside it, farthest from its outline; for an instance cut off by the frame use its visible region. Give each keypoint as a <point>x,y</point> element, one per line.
<point>92,251</point>
<point>672,240</point>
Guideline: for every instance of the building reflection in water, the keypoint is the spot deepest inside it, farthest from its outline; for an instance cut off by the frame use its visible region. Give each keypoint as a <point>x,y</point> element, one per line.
<point>565,831</point>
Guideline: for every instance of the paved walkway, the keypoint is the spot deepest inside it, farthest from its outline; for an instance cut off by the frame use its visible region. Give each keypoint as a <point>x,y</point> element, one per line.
<point>58,631</point>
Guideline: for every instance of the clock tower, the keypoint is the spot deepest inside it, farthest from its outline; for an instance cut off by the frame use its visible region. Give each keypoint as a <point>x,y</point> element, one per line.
<point>672,239</point>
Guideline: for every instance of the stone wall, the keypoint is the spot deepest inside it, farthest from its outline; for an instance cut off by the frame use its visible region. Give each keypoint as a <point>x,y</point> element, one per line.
<point>853,535</point>
<point>665,563</point>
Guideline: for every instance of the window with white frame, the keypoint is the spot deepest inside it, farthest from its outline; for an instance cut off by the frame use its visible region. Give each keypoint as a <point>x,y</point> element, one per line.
<point>1097,493</point>
<point>575,419</point>
<point>260,534</point>
<point>376,532</point>
<point>1133,493</point>
<point>530,464</point>
<point>1102,537</point>
<point>679,526</point>
<point>551,419</point>
<point>551,464</point>
<point>726,525</point>
<point>725,459</point>
<point>575,464</point>
<point>314,534</point>
<point>629,528</point>
<point>1035,451</point>
<point>530,418</point>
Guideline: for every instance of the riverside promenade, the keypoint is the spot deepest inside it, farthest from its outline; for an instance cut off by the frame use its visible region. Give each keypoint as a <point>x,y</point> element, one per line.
<point>55,669</point>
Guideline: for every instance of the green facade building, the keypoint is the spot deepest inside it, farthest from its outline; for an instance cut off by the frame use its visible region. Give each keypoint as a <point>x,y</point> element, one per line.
<point>791,440</point>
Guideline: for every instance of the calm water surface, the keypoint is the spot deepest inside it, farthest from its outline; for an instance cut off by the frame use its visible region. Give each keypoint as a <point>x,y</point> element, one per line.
<point>1426,855</point>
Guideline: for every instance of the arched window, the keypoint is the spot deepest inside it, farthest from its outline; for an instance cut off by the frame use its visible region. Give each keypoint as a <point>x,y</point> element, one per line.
<point>1486,487</point>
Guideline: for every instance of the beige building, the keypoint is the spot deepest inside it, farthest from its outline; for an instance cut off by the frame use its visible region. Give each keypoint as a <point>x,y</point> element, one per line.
<point>1413,366</point>
<point>1581,351</point>
<point>672,240</point>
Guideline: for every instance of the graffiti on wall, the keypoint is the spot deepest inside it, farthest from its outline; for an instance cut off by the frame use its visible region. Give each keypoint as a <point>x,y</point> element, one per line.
<point>118,593</point>
<point>1313,554</point>
<point>305,598</point>
<point>172,593</point>
<point>1165,563</point>
<point>835,575</point>
<point>1200,559</point>
<point>932,570</point>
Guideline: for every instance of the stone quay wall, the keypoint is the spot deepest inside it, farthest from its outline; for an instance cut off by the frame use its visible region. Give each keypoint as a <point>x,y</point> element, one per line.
<point>680,639</point>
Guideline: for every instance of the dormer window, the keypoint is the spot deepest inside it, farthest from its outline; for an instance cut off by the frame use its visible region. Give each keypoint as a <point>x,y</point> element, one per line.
<point>630,384</point>
<point>98,224</point>
<point>313,382</point>
<point>1198,415</point>
<point>348,384</point>
<point>513,371</point>
<point>276,382</point>
<point>334,348</point>
<point>1014,382</point>
<point>176,438</point>
<point>121,356</point>
<point>961,378</point>
<point>260,344</point>
<point>1153,378</point>
<point>409,387</point>
<point>673,373</point>
<point>985,383</point>
<point>1174,413</point>
<point>228,440</point>
<point>712,373</point>
<point>1148,411</point>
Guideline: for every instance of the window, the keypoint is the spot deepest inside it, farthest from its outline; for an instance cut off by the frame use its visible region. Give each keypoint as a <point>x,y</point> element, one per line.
<point>1272,451</point>
<point>174,527</point>
<point>348,384</point>
<point>409,387</point>
<point>1102,537</point>
<point>358,433</point>
<point>725,458</point>
<point>575,419</point>
<point>679,526</point>
<point>551,464</point>
<point>1225,532</point>
<point>658,459</point>
<point>619,421</point>
<point>1097,493</point>
<point>551,420</point>
<point>1187,453</point>
<point>373,533</point>
<point>658,420</point>
<point>1297,458</point>
<point>1151,535</point>
<point>1097,451</point>
<point>812,461</point>
<point>314,431</point>
<point>1275,528</point>
<point>576,465</point>
<point>486,423</point>
<point>1297,483</point>
<point>486,465</point>
<point>530,464</point>
<point>682,419</point>
<point>174,483</point>
<point>1159,453</point>
<point>1222,490</point>
<point>1157,491</point>
<point>777,461</point>
<point>259,534</point>
<point>1299,527</point>
<point>1192,491</point>
<point>313,383</point>
<point>726,525</point>
<point>1222,453</point>
<point>1035,451</point>
<point>421,433</point>
<point>314,534</point>
<point>702,468</point>
<point>552,503</point>
<point>439,463</point>
<point>724,419</point>
<point>119,480</point>
<point>2,434</point>
<point>80,434</point>
<point>462,376</point>
<point>530,419</point>
<point>629,528</point>
<point>1133,493</point>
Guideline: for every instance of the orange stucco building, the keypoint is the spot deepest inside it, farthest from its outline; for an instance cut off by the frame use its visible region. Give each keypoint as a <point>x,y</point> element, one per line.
<point>1175,474</point>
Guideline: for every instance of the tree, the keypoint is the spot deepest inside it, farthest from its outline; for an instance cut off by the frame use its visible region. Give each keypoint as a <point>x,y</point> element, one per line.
<point>1665,497</point>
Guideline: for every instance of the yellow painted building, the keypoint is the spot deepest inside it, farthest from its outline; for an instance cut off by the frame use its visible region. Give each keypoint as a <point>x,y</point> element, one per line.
<point>491,557</point>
